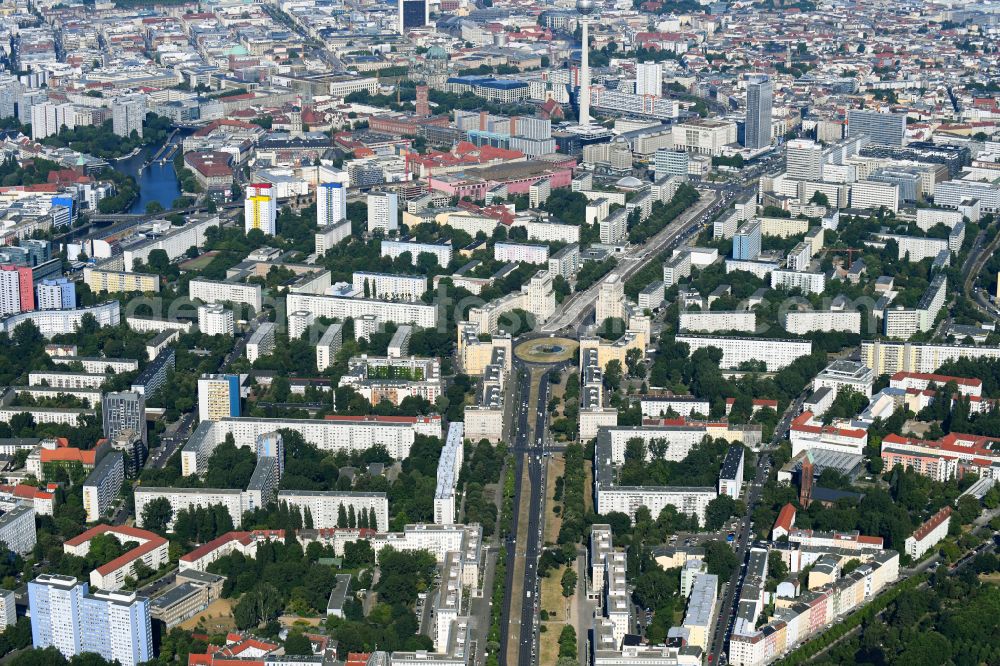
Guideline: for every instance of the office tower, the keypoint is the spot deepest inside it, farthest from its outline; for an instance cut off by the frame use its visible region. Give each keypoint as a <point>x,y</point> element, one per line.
<point>57,294</point>
<point>271,445</point>
<point>649,79</point>
<point>48,119</point>
<point>127,115</point>
<point>383,211</point>
<point>66,616</point>
<point>218,397</point>
<point>804,160</point>
<point>331,203</point>
<point>17,289</point>
<point>760,96</point>
<point>260,210</point>
<point>413,14</point>
<point>10,91</point>
<point>746,242</point>
<point>131,444</point>
<point>422,105</point>
<point>670,162</point>
<point>125,410</point>
<point>610,299</point>
<point>39,251</point>
<point>585,8</point>
<point>531,128</point>
<point>884,129</point>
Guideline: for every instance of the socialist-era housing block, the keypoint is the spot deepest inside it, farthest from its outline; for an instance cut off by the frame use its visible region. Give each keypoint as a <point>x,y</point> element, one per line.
<point>334,433</point>
<point>151,551</point>
<point>379,378</point>
<point>609,496</point>
<point>449,467</point>
<point>774,353</point>
<point>475,348</point>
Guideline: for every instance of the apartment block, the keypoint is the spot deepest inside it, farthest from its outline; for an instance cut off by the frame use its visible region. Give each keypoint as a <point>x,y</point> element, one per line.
<point>775,353</point>
<point>102,280</point>
<point>328,346</point>
<point>390,287</point>
<point>102,486</point>
<point>214,291</point>
<point>807,321</point>
<point>261,342</point>
<point>66,616</point>
<point>713,321</point>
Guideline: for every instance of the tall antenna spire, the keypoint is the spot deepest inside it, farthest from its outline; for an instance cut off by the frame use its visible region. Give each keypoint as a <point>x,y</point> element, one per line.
<point>585,8</point>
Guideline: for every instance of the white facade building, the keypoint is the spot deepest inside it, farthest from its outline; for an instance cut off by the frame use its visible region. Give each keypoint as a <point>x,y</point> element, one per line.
<point>713,321</point>
<point>216,291</point>
<point>383,211</point>
<point>807,321</point>
<point>649,79</point>
<point>334,307</point>
<point>328,346</point>
<point>521,252</point>
<point>810,283</point>
<point>215,320</point>
<point>394,248</point>
<point>449,467</point>
<point>775,353</point>
<point>260,208</point>
<point>331,204</point>
<point>390,287</point>
<point>261,342</point>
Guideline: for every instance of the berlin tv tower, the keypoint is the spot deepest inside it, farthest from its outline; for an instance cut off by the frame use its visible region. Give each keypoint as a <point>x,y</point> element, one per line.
<point>585,8</point>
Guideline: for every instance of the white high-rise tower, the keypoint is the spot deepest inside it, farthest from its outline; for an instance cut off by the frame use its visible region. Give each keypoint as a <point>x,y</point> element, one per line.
<point>585,8</point>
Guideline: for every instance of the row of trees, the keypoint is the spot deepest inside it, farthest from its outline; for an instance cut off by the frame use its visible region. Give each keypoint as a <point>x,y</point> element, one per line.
<point>646,465</point>
<point>664,214</point>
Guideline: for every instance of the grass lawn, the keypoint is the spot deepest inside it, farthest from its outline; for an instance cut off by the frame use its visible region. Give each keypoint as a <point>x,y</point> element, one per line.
<point>553,522</point>
<point>198,263</point>
<point>217,618</point>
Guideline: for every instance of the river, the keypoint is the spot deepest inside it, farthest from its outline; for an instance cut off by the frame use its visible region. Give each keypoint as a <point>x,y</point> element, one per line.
<point>157,182</point>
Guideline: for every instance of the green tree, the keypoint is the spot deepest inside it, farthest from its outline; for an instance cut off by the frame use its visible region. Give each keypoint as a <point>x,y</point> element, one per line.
<point>819,199</point>
<point>720,509</point>
<point>568,582</point>
<point>613,375</point>
<point>567,642</point>
<point>156,515</point>
<point>298,644</point>
<point>720,560</point>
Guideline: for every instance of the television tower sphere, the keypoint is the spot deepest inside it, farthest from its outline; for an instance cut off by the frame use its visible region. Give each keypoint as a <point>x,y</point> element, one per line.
<point>585,7</point>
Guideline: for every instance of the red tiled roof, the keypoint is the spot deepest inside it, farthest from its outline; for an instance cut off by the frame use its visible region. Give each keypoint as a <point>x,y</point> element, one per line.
<point>383,419</point>
<point>151,542</point>
<point>921,532</point>
<point>955,442</point>
<point>27,492</point>
<point>69,454</point>
<point>357,658</point>
<point>802,423</point>
<point>937,379</point>
<point>218,542</point>
<point>786,518</point>
<point>757,402</point>
<point>210,163</point>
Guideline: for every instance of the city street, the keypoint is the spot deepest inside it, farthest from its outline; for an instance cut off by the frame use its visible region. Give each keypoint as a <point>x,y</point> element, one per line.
<point>572,313</point>
<point>519,635</point>
<point>730,598</point>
